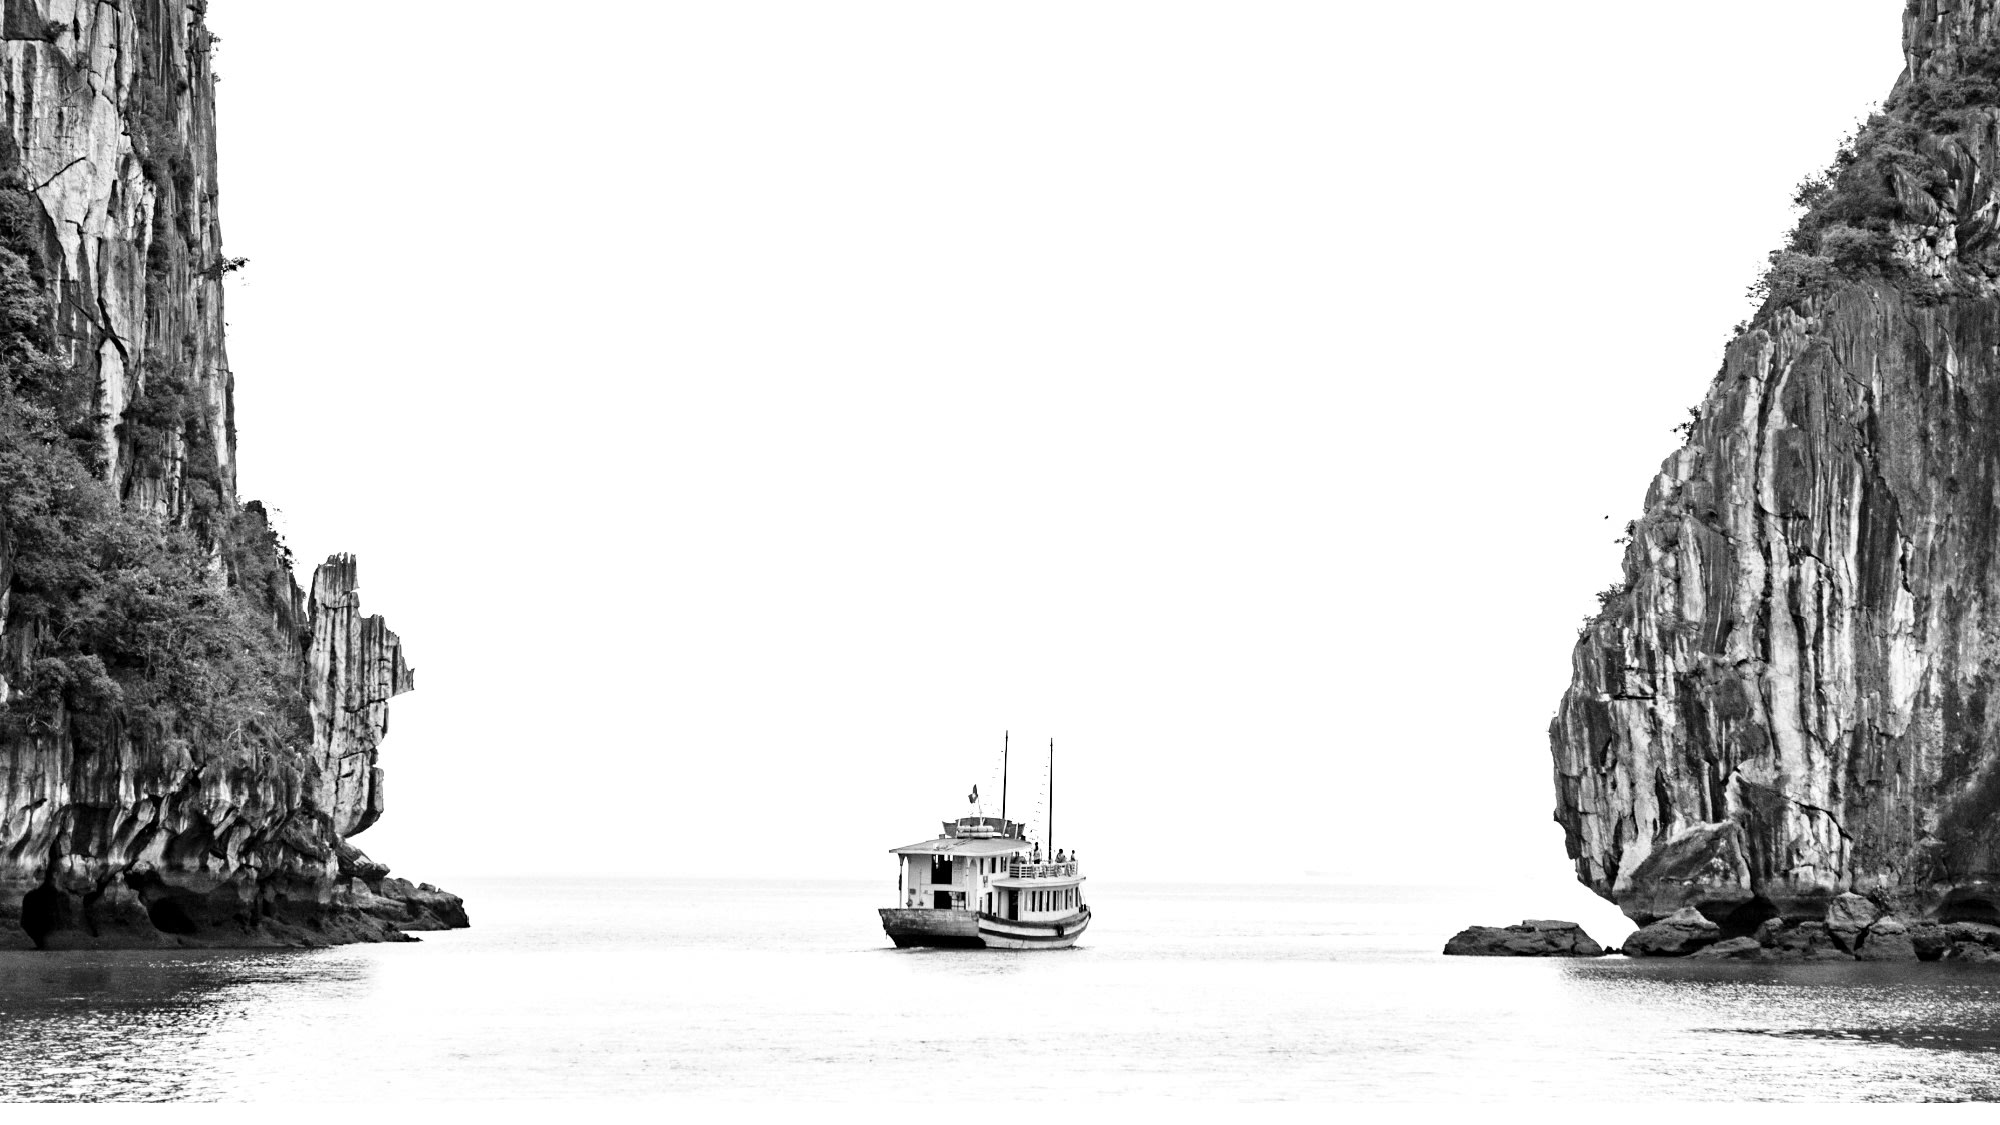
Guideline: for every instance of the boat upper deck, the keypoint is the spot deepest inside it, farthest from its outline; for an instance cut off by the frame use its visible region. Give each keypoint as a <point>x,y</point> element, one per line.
<point>946,845</point>
<point>974,836</point>
<point>1019,870</point>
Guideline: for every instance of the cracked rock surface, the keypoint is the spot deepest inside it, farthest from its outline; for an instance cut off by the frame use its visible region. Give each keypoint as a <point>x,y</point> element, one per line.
<point>109,117</point>
<point>1794,694</point>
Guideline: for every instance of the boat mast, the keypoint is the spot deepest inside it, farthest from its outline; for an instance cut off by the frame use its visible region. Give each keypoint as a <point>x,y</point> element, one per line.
<point>1051,824</point>
<point>1003,777</point>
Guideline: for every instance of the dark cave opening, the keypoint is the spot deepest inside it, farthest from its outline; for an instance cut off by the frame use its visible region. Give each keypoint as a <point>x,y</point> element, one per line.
<point>1744,920</point>
<point>43,912</point>
<point>1969,910</point>
<point>169,917</point>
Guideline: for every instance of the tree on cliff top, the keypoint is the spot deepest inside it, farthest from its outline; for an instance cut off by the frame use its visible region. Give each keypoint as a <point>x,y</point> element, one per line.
<point>1898,155</point>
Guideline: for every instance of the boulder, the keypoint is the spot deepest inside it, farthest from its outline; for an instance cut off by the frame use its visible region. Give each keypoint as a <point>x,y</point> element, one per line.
<point>1929,940</point>
<point>1736,949</point>
<point>1973,933</point>
<point>1970,951</point>
<point>1848,918</point>
<point>1676,935</point>
<point>1887,940</point>
<point>1851,912</point>
<point>1807,941</point>
<point>1536,937</point>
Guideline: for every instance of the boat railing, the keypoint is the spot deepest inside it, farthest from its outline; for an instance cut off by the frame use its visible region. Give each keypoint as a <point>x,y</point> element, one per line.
<point>1041,870</point>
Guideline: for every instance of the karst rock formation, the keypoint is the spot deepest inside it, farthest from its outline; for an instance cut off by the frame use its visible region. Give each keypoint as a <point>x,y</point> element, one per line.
<point>1795,691</point>
<point>110,835</point>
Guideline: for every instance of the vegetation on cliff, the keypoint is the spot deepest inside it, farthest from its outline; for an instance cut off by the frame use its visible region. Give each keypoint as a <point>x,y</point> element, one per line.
<point>1898,157</point>
<point>121,621</point>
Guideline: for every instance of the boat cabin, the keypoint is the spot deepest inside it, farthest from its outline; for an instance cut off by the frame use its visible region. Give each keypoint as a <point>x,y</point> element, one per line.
<point>955,871</point>
<point>987,865</point>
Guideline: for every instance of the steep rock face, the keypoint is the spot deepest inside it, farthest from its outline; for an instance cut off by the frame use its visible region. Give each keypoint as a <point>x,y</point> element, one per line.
<point>110,111</point>
<point>1792,694</point>
<point>355,667</point>
<point>110,835</point>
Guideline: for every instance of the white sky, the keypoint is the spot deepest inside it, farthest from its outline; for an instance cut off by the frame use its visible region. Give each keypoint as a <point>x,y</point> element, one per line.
<point>745,411</point>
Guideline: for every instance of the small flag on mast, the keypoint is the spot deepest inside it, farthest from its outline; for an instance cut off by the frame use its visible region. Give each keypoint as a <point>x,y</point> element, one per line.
<point>974,799</point>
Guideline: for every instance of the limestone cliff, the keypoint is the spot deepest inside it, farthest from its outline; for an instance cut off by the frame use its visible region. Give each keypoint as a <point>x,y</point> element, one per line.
<point>1792,693</point>
<point>141,799</point>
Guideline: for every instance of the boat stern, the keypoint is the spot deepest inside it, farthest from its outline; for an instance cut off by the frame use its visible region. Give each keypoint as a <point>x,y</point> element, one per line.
<point>947,929</point>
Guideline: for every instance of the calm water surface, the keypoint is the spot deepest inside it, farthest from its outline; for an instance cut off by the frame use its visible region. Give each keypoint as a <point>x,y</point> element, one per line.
<point>641,989</point>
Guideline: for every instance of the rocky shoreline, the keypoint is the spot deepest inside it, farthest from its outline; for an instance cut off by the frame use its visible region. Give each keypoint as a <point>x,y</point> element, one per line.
<point>1854,928</point>
<point>138,913</point>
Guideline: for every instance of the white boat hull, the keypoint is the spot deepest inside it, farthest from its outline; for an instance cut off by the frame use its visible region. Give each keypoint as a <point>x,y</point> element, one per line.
<point>1056,933</point>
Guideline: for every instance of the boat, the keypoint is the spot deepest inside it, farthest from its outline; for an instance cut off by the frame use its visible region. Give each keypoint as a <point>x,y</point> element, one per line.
<point>983,884</point>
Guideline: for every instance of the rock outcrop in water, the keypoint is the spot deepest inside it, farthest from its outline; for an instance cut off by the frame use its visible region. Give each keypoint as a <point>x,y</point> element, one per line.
<point>1795,691</point>
<point>1683,932</point>
<point>1535,937</point>
<point>1853,929</point>
<point>188,742</point>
